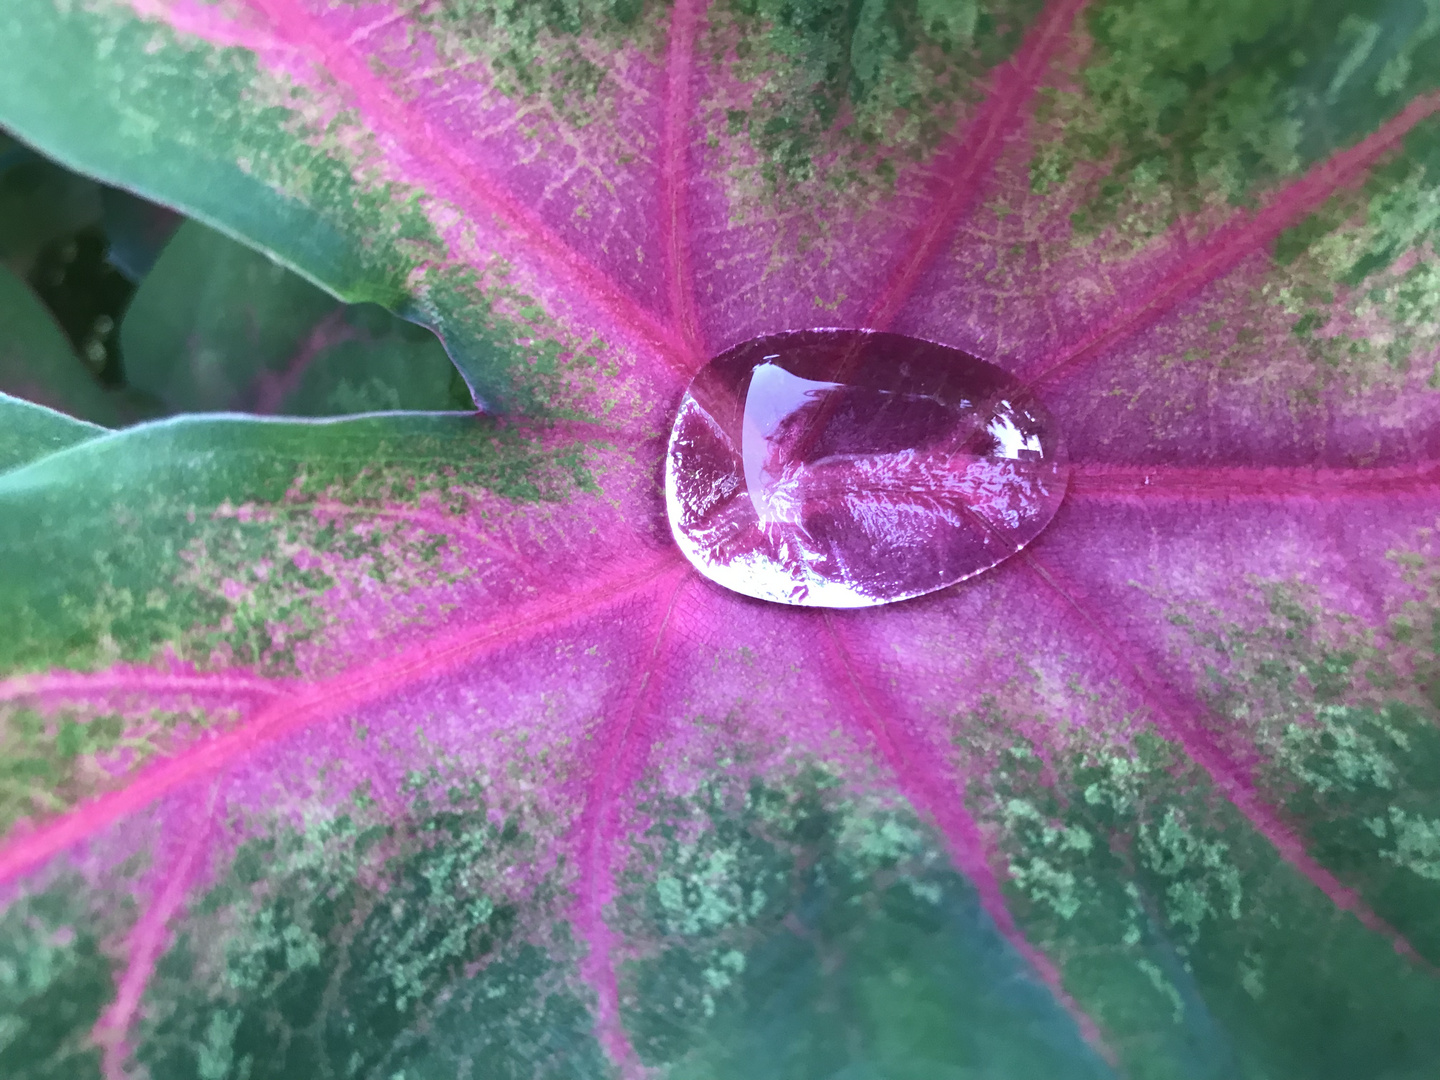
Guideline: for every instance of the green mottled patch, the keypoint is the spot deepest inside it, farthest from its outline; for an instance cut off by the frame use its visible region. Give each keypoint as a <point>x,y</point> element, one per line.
<point>1359,278</point>
<point>1285,651</point>
<point>1183,103</point>
<point>1347,717</point>
<point>838,95</point>
<point>55,979</point>
<point>1181,932</point>
<point>790,930</point>
<point>565,54</point>
<point>363,946</point>
<point>220,537</point>
<point>555,372</point>
<point>49,761</point>
<point>260,575</point>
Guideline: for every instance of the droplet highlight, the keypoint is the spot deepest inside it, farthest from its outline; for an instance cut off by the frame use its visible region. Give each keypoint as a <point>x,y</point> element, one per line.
<point>850,468</point>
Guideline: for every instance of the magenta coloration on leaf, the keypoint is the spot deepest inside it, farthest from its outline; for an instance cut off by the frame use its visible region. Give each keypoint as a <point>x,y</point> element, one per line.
<point>412,745</point>
<point>848,468</point>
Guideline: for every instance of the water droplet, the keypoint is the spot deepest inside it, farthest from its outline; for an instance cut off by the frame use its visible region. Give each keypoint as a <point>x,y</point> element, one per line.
<point>847,468</point>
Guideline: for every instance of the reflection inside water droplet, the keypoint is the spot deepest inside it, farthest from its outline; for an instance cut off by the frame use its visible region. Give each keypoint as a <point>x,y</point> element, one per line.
<point>847,468</point>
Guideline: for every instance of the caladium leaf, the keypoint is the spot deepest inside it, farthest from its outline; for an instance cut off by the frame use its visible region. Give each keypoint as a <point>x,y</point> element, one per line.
<point>218,326</point>
<point>409,745</point>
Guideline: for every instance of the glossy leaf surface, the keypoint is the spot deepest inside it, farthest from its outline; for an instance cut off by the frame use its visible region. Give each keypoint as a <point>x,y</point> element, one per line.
<point>410,745</point>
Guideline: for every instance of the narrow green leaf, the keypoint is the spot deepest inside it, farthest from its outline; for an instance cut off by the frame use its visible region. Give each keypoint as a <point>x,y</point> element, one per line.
<point>37,363</point>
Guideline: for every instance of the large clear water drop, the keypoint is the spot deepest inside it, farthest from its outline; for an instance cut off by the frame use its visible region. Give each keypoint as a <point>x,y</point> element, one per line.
<point>848,468</point>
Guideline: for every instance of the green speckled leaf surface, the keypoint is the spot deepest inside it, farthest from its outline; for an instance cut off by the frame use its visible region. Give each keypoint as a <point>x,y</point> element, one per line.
<point>407,745</point>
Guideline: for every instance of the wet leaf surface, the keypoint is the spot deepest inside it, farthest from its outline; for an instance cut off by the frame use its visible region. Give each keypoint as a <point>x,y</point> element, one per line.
<point>411,745</point>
